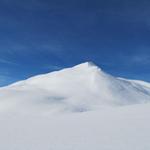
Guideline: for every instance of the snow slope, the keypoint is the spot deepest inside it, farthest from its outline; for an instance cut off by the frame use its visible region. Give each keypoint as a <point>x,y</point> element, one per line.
<point>75,109</point>
<point>81,88</point>
<point>119,128</point>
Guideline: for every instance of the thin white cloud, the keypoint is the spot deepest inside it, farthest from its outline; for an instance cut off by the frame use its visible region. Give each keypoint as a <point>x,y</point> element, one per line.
<point>52,67</point>
<point>135,59</point>
<point>4,61</point>
<point>141,59</point>
<point>4,80</point>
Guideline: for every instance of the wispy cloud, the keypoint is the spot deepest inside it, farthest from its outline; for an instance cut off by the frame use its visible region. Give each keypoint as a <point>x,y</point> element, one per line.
<point>2,80</point>
<point>141,59</point>
<point>5,80</point>
<point>137,58</point>
<point>4,61</point>
<point>52,67</point>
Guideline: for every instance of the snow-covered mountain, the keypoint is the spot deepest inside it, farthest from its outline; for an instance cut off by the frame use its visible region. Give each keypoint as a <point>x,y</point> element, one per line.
<point>31,115</point>
<point>81,88</point>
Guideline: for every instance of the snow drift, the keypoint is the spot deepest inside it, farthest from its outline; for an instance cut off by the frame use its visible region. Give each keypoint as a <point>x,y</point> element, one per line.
<point>77,89</point>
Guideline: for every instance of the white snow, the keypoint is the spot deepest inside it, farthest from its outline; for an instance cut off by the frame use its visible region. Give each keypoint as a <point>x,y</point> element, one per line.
<point>120,128</point>
<point>78,108</point>
<point>81,88</point>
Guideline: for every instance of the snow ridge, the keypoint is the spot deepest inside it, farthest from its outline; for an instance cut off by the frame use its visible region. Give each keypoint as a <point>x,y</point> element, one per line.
<point>81,88</point>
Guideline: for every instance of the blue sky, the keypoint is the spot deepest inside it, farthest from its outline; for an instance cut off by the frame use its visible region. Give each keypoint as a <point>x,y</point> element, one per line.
<point>39,36</point>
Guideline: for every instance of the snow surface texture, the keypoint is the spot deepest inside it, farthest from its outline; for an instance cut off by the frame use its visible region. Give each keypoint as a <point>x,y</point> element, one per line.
<point>82,88</point>
<point>79,108</point>
<point>120,128</point>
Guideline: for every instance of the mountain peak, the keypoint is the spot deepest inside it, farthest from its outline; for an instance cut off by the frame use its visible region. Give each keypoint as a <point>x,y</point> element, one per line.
<point>80,88</point>
<point>88,64</point>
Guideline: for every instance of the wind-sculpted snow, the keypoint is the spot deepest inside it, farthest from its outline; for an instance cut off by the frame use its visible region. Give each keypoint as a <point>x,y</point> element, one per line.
<point>119,128</point>
<point>37,113</point>
<point>81,88</point>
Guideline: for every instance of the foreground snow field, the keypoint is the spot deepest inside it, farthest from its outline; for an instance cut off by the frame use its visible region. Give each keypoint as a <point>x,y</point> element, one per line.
<point>121,128</point>
<point>79,108</point>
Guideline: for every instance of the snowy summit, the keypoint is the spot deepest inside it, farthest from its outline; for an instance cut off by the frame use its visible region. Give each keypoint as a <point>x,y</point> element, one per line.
<point>81,88</point>
<point>44,112</point>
